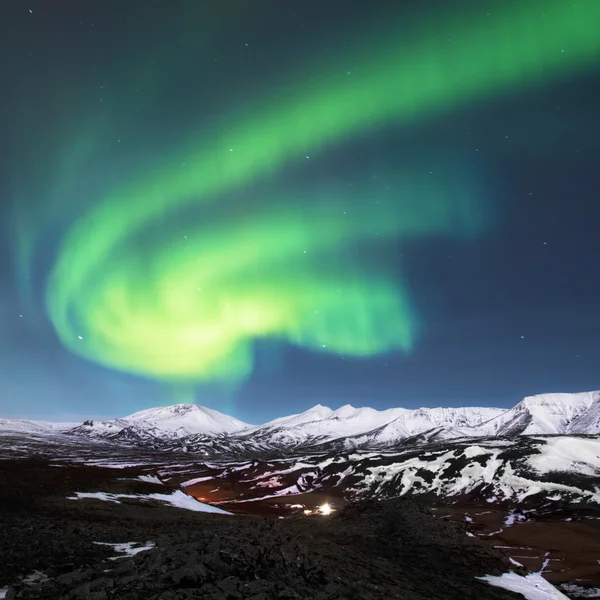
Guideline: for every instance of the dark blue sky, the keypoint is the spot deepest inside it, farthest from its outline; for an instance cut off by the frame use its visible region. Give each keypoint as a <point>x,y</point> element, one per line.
<point>511,312</point>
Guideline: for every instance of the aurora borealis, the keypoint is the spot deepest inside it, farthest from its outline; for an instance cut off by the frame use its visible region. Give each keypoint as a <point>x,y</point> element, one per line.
<point>170,218</point>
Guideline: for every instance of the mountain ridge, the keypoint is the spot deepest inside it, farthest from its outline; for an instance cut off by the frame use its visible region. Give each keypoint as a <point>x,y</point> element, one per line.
<point>196,428</point>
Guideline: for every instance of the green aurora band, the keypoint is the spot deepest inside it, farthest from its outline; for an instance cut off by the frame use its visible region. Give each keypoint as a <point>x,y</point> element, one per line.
<point>254,263</point>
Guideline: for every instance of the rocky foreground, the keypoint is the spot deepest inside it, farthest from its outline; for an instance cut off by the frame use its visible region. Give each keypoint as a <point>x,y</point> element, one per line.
<point>55,548</point>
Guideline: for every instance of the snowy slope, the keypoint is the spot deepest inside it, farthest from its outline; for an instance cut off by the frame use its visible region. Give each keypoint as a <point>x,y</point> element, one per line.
<point>522,471</point>
<point>28,426</point>
<point>567,454</point>
<point>543,414</point>
<point>101,428</point>
<point>318,424</point>
<point>343,422</point>
<point>316,413</point>
<point>187,419</point>
<point>454,422</point>
<point>588,421</point>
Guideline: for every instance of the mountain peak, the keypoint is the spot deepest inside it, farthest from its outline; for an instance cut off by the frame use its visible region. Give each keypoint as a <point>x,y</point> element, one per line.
<point>187,419</point>
<point>163,411</point>
<point>346,411</point>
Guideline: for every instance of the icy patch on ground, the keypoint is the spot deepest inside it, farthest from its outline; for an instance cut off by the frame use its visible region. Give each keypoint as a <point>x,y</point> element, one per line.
<point>177,499</point>
<point>3,592</point>
<point>532,586</point>
<point>127,548</point>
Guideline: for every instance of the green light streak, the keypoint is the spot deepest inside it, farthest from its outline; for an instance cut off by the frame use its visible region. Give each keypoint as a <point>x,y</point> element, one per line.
<point>278,271</point>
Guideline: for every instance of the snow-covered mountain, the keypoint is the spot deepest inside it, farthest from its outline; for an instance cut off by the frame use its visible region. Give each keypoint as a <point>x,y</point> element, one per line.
<point>195,428</point>
<point>187,419</point>
<point>547,414</point>
<point>321,423</point>
<point>29,426</point>
<point>448,422</point>
<point>366,426</point>
<point>176,421</point>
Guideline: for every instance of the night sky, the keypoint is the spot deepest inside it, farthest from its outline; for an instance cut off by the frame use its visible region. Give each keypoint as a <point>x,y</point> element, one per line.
<point>261,205</point>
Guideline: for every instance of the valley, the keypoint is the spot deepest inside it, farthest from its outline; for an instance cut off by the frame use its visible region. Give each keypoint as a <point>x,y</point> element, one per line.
<point>521,502</point>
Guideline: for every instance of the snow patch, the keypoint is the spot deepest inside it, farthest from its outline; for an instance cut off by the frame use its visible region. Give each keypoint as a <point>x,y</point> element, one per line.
<point>578,591</point>
<point>150,479</point>
<point>575,455</point>
<point>177,499</point>
<point>514,562</point>
<point>532,587</point>
<point>100,496</point>
<point>35,578</point>
<point>127,548</point>
<point>181,500</point>
<point>196,480</point>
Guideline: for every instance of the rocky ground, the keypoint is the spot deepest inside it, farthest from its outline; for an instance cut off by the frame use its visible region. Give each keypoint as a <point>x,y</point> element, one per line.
<point>561,543</point>
<point>395,549</point>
